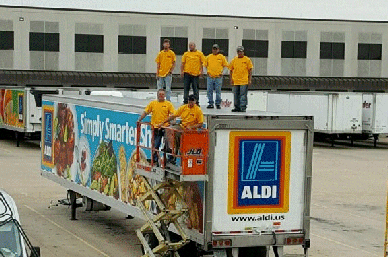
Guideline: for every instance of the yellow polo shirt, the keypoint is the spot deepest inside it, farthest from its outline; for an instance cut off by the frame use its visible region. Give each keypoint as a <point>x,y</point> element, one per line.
<point>166,59</point>
<point>189,116</point>
<point>240,68</point>
<point>215,65</point>
<point>160,111</point>
<point>193,62</point>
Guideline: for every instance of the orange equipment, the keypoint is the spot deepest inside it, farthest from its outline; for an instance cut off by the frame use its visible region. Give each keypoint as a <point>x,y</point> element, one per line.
<point>191,153</point>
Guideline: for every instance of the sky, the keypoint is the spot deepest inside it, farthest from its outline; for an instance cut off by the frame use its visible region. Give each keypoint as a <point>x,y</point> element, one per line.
<point>370,10</point>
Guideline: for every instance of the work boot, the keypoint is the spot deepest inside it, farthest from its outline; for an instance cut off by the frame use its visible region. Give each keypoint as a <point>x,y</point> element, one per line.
<point>210,106</point>
<point>218,106</point>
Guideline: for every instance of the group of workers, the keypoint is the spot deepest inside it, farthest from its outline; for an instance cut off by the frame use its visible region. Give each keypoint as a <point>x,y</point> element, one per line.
<point>163,112</point>
<point>193,62</point>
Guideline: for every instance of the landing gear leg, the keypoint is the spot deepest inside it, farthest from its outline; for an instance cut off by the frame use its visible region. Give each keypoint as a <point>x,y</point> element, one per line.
<point>73,204</point>
<point>17,136</point>
<point>375,138</point>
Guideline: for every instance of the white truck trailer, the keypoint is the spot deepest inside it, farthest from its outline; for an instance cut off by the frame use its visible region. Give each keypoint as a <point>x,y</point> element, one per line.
<point>255,192</point>
<point>21,109</point>
<point>375,114</point>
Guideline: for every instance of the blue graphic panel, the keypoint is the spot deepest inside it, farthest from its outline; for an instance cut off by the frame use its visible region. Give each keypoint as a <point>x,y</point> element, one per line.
<point>259,172</point>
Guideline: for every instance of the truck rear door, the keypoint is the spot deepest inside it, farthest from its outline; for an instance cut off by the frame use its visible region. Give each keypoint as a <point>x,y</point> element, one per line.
<point>260,172</point>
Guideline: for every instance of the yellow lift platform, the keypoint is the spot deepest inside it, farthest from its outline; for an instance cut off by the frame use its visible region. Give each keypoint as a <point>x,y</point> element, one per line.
<point>189,150</point>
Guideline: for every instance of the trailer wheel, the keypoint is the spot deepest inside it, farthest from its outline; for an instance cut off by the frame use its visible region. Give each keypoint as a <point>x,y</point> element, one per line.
<point>151,240</point>
<point>189,250</point>
<point>259,251</point>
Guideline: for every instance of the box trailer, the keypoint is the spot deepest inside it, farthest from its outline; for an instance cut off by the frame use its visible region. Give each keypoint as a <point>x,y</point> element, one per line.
<point>20,109</point>
<point>375,114</point>
<point>255,192</point>
<point>334,113</point>
<point>256,99</point>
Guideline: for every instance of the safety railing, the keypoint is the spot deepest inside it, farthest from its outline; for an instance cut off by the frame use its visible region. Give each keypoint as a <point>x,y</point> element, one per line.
<point>183,150</point>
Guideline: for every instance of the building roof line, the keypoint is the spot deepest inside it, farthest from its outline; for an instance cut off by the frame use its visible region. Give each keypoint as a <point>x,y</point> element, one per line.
<point>195,15</point>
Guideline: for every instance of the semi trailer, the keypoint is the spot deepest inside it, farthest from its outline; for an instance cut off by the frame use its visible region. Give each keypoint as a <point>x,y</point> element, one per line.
<point>251,191</point>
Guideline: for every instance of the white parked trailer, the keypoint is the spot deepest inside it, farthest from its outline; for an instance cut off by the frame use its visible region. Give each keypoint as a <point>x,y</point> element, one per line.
<point>375,114</point>
<point>334,113</point>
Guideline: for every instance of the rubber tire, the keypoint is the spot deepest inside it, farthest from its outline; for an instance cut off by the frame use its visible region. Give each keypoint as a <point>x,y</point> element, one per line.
<point>151,240</point>
<point>259,251</point>
<point>189,250</point>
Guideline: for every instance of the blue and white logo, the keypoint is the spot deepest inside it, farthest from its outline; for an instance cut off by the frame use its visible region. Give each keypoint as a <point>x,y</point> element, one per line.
<point>48,136</point>
<point>262,163</point>
<point>259,172</point>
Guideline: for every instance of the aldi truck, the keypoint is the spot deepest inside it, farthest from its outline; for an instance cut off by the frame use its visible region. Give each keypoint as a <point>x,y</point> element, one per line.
<point>253,192</point>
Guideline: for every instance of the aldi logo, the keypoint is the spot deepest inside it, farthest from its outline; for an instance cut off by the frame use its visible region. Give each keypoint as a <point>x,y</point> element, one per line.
<point>259,164</point>
<point>47,139</point>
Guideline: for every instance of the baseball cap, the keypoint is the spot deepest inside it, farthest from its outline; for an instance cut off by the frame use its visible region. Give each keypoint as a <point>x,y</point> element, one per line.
<point>216,46</point>
<point>240,48</point>
<point>192,98</point>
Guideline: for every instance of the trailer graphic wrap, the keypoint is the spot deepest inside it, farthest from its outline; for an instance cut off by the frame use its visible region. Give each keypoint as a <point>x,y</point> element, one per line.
<point>259,164</point>
<point>96,148</point>
<point>12,108</point>
<point>47,137</point>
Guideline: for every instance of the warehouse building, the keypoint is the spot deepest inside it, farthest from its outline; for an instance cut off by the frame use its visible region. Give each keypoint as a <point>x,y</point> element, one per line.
<point>59,41</point>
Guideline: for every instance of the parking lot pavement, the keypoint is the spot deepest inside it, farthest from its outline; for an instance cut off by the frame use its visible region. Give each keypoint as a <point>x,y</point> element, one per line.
<point>47,224</point>
<point>347,212</point>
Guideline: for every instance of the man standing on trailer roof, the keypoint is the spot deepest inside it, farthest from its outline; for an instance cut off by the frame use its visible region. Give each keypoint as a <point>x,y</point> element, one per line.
<point>160,109</point>
<point>191,70</point>
<point>240,77</point>
<point>165,62</point>
<point>215,64</point>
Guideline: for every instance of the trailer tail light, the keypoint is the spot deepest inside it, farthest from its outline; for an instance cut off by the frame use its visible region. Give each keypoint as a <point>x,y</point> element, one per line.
<point>222,243</point>
<point>294,241</point>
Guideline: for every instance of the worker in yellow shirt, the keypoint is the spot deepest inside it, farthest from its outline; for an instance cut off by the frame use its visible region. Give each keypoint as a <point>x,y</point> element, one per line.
<point>215,63</point>
<point>191,69</point>
<point>191,118</point>
<point>240,77</point>
<point>165,62</point>
<point>160,109</point>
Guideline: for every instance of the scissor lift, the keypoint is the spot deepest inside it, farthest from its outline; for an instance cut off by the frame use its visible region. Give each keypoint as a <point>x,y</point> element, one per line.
<point>190,164</point>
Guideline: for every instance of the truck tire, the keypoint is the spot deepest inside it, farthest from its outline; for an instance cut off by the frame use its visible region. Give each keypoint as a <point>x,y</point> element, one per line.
<point>189,250</point>
<point>259,251</point>
<point>151,240</point>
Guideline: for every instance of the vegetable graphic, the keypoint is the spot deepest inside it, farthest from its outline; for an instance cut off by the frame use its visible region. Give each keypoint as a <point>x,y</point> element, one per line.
<point>104,171</point>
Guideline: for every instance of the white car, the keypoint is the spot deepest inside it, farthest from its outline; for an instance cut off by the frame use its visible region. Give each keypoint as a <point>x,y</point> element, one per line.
<point>13,240</point>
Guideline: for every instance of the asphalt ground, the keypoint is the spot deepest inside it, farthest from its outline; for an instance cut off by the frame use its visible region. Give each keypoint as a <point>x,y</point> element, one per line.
<point>347,212</point>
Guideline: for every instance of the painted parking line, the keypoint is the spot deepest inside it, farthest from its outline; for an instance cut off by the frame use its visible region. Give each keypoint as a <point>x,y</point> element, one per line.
<point>346,212</point>
<point>345,245</point>
<point>67,231</point>
<point>6,150</point>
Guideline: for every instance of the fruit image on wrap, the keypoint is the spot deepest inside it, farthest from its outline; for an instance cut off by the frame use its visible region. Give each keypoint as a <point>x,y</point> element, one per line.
<point>104,171</point>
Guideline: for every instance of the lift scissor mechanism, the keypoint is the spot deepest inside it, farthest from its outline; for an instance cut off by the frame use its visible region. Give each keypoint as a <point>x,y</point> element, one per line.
<point>190,161</point>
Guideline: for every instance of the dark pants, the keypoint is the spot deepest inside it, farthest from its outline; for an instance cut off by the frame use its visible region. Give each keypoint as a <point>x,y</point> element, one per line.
<point>158,135</point>
<point>240,97</point>
<point>194,82</point>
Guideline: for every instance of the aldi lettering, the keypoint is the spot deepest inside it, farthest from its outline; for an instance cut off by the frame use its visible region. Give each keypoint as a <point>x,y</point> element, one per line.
<point>259,172</point>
